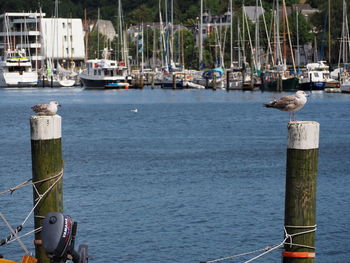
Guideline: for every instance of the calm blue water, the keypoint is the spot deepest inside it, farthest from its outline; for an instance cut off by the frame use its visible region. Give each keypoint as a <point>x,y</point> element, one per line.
<point>194,175</point>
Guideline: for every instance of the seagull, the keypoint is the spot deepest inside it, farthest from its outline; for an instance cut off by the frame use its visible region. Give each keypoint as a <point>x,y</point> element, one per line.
<point>134,110</point>
<point>290,103</point>
<point>46,109</point>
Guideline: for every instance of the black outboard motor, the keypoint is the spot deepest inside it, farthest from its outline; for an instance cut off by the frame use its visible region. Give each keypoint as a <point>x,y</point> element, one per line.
<point>58,236</point>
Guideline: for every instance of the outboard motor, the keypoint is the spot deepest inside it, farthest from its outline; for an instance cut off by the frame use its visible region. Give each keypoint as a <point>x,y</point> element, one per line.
<point>58,236</point>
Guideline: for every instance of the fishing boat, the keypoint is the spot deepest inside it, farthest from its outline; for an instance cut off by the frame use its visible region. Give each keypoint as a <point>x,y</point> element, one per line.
<point>16,70</point>
<point>315,76</point>
<point>105,74</point>
<point>275,80</point>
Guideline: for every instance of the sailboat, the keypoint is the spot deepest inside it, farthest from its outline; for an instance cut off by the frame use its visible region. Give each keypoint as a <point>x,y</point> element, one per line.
<point>54,75</point>
<point>278,78</point>
<point>344,52</point>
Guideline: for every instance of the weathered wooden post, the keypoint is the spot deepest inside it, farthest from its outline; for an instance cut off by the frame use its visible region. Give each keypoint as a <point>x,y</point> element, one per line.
<point>228,80</point>
<point>300,200</point>
<point>43,81</point>
<point>214,81</point>
<point>51,81</point>
<point>152,78</point>
<point>174,81</point>
<point>47,168</point>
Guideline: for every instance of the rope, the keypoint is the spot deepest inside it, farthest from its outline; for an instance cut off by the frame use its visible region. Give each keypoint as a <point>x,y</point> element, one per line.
<point>26,183</point>
<point>290,236</point>
<point>7,239</point>
<point>13,232</point>
<point>26,234</point>
<point>235,256</point>
<point>270,249</point>
<point>13,236</point>
<point>41,196</point>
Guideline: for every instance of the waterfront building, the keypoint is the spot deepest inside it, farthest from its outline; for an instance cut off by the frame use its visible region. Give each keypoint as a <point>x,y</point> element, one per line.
<point>59,39</point>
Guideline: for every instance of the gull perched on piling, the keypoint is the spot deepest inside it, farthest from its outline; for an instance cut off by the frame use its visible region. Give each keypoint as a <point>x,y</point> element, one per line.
<point>290,103</point>
<point>46,109</point>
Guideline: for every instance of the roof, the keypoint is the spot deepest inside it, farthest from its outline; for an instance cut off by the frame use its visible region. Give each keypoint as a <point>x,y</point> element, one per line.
<point>105,27</point>
<point>253,12</point>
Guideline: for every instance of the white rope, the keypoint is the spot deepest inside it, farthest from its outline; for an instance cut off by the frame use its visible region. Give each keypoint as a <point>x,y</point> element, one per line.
<point>13,235</point>
<point>24,235</point>
<point>235,256</point>
<point>270,249</point>
<point>41,196</point>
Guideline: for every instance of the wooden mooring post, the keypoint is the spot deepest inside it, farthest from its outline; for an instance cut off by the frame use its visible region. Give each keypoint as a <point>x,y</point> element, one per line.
<point>228,75</point>
<point>47,168</point>
<point>300,199</point>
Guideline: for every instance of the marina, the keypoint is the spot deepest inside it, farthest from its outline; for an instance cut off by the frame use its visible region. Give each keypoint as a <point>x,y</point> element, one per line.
<point>190,176</point>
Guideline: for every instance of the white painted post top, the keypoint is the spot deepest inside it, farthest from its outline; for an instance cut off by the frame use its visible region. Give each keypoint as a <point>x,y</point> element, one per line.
<point>46,127</point>
<point>303,135</point>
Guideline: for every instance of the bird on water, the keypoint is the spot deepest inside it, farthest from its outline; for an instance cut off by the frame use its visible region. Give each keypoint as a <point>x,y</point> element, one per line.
<point>290,103</point>
<point>46,109</point>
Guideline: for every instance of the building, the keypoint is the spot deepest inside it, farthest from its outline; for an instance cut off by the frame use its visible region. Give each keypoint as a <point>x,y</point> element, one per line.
<point>211,21</point>
<point>42,38</point>
<point>62,39</point>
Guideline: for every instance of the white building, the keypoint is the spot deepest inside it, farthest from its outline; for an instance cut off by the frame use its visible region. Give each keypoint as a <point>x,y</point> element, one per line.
<point>42,38</point>
<point>62,38</point>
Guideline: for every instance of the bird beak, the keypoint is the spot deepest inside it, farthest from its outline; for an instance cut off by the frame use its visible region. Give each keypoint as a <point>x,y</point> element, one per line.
<point>59,105</point>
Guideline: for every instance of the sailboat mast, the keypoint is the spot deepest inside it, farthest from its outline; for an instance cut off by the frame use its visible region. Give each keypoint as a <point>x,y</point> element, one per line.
<point>201,35</point>
<point>257,35</point>
<point>278,47</point>
<point>298,51</point>
<point>231,27</point>
<point>98,33</point>
<point>154,48</point>
<point>329,31</point>
<point>172,31</point>
<point>121,33</point>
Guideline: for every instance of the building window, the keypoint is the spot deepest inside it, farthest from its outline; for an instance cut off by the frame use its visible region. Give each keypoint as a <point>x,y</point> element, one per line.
<point>64,25</point>
<point>65,38</point>
<point>71,38</point>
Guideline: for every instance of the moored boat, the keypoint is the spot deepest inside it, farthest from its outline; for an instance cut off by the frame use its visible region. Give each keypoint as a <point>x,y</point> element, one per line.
<point>16,71</point>
<point>315,77</point>
<point>105,74</point>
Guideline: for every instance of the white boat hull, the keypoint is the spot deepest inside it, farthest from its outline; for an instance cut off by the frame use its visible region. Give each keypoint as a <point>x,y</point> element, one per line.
<point>17,79</point>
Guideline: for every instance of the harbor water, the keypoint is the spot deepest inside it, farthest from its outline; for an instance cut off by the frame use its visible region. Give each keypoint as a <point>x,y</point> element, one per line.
<point>193,175</point>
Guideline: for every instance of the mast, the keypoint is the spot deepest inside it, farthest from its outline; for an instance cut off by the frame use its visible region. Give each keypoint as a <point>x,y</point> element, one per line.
<point>154,48</point>
<point>142,47</point>
<point>98,33</point>
<point>329,32</point>
<point>278,47</point>
<point>243,36</point>
<point>172,31</point>
<point>200,35</point>
<point>231,40</point>
<point>257,58</point>
<point>298,51</point>
<point>121,33</point>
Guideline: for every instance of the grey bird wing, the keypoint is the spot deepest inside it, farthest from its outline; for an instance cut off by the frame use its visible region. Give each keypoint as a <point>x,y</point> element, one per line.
<point>40,108</point>
<point>283,103</point>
